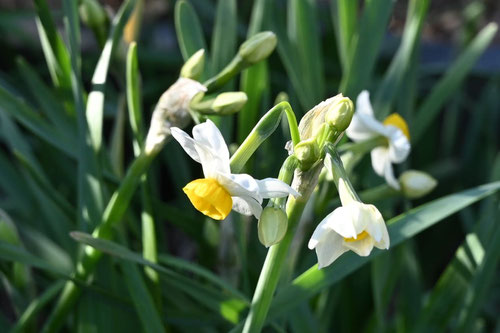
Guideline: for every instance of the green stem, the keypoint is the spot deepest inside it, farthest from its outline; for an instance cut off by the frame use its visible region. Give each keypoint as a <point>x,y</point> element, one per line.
<point>262,130</point>
<point>227,73</point>
<point>363,147</point>
<point>271,270</point>
<point>112,215</point>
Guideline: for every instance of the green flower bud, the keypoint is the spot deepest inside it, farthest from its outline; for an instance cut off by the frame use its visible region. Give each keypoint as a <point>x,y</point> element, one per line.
<point>416,184</point>
<point>272,226</point>
<point>258,47</point>
<point>340,114</point>
<point>92,13</point>
<point>229,102</point>
<point>194,66</point>
<point>307,152</point>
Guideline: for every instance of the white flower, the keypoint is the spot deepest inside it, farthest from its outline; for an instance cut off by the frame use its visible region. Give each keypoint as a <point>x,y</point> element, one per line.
<point>415,184</point>
<point>364,126</point>
<point>220,190</point>
<point>355,226</point>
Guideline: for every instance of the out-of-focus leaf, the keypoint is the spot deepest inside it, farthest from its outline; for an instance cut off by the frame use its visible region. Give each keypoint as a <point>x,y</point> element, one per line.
<point>188,29</point>
<point>345,21</point>
<point>446,86</point>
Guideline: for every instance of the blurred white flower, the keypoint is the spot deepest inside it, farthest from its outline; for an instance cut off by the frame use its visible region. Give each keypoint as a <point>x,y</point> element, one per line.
<point>220,190</point>
<point>355,226</point>
<point>364,126</point>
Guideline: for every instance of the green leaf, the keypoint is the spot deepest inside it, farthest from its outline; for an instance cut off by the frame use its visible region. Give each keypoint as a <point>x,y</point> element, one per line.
<point>15,253</point>
<point>36,305</point>
<point>223,302</point>
<point>49,103</point>
<point>400,228</point>
<point>303,36</point>
<point>345,21</point>
<point>19,110</point>
<point>95,101</point>
<point>56,53</point>
<point>365,46</point>
<point>188,29</point>
<point>143,302</point>
<point>389,87</point>
<point>224,35</point>
<point>447,85</point>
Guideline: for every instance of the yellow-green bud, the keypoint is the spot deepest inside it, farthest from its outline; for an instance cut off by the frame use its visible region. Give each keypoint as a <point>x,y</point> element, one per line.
<point>229,102</point>
<point>416,184</point>
<point>194,66</point>
<point>258,47</point>
<point>272,226</point>
<point>340,114</point>
<point>307,152</point>
<point>92,13</point>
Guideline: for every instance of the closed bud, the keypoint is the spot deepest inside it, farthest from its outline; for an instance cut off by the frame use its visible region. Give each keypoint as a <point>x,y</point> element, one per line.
<point>340,114</point>
<point>307,152</point>
<point>272,226</point>
<point>92,13</point>
<point>258,47</point>
<point>194,66</point>
<point>416,184</point>
<point>229,102</point>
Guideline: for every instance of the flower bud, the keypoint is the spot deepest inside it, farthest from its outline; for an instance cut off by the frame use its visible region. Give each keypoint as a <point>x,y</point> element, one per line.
<point>307,152</point>
<point>92,13</point>
<point>340,114</point>
<point>416,184</point>
<point>272,226</point>
<point>229,102</point>
<point>258,47</point>
<point>194,66</point>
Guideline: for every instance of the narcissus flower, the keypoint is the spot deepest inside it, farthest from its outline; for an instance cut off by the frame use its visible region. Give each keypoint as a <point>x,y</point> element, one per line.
<point>364,126</point>
<point>220,190</point>
<point>355,226</point>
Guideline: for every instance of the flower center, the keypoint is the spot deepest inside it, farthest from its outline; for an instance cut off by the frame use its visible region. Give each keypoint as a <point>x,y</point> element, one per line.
<point>360,236</point>
<point>397,121</point>
<point>209,197</point>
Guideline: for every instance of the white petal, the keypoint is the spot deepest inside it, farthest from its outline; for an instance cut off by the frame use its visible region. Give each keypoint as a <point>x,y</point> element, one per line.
<point>380,157</point>
<point>389,176</point>
<point>239,185</point>
<point>209,135</point>
<point>341,221</point>
<point>329,249</point>
<point>363,124</point>
<point>318,234</point>
<point>363,104</point>
<point>375,224</point>
<point>186,142</point>
<point>275,188</point>
<point>361,247</point>
<point>384,243</point>
<point>360,216</point>
<point>399,146</point>
<point>247,206</point>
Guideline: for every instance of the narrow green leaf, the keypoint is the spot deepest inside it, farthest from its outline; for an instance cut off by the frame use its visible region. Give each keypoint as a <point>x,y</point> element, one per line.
<point>15,253</point>
<point>188,29</point>
<point>19,110</point>
<point>224,35</point>
<point>95,101</point>
<point>143,302</point>
<point>345,21</point>
<point>400,228</point>
<point>56,53</point>
<point>454,76</point>
<point>365,46</point>
<point>36,305</point>
<point>49,103</point>
<point>389,87</point>
<point>304,37</point>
